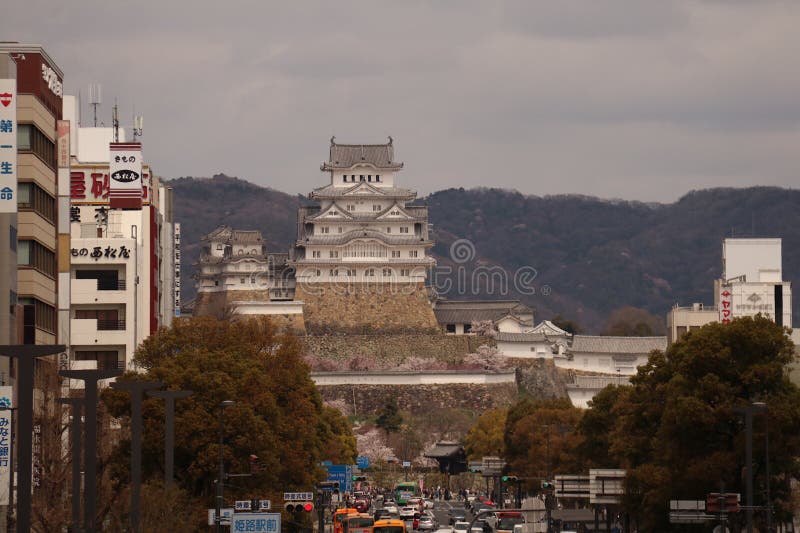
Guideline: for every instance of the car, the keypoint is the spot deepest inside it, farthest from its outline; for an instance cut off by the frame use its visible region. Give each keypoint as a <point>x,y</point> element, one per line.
<point>391,509</point>
<point>426,523</point>
<point>408,512</point>
<point>480,526</point>
<point>461,527</point>
<point>456,514</point>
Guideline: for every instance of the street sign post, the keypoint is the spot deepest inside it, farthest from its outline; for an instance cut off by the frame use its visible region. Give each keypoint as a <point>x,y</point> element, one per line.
<point>256,522</point>
<point>242,505</point>
<point>343,474</point>
<point>226,513</point>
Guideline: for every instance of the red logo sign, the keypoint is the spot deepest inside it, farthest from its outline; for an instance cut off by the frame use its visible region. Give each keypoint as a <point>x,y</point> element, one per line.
<point>5,99</point>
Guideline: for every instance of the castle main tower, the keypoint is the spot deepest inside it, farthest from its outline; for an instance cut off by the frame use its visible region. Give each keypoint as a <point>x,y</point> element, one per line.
<point>362,253</point>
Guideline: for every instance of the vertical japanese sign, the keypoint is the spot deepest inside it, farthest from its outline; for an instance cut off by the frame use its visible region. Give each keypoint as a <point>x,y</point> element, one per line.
<point>63,144</point>
<point>725,304</point>
<point>125,169</point>
<point>177,269</point>
<point>6,395</point>
<point>8,146</point>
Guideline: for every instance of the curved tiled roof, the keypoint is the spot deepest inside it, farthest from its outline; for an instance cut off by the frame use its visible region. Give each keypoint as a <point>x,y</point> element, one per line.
<point>520,337</point>
<point>344,156</point>
<point>455,312</point>
<point>329,191</point>
<point>617,345</point>
<point>344,238</point>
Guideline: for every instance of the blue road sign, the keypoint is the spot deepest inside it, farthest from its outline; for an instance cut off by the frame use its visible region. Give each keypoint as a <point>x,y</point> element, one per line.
<point>362,462</point>
<point>343,474</point>
<point>256,522</point>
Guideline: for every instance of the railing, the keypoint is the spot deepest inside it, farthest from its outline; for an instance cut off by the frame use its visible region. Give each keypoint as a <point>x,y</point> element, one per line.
<point>110,325</point>
<point>111,285</point>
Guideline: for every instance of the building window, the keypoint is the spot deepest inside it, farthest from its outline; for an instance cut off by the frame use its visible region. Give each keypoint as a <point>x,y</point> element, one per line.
<point>31,139</point>
<point>334,272</point>
<point>340,229</point>
<point>33,254</point>
<point>318,273</point>
<point>344,178</point>
<point>369,272</point>
<point>351,207</point>
<point>387,272</point>
<point>369,177</point>
<point>395,254</point>
<point>333,212</point>
<point>106,360</point>
<point>351,272</point>
<point>216,283</point>
<point>39,315</point>
<point>403,229</point>
<point>377,177</point>
<point>324,229</point>
<point>376,207</point>
<point>405,272</point>
<point>388,229</point>
<point>241,281</point>
<point>333,254</point>
<point>316,254</point>
<point>12,238</point>
<point>467,328</point>
<point>450,328</point>
<point>362,177</point>
<point>412,253</point>
<point>32,197</point>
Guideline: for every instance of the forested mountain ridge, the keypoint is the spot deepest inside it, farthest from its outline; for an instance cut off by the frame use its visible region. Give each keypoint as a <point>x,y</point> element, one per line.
<point>589,255</point>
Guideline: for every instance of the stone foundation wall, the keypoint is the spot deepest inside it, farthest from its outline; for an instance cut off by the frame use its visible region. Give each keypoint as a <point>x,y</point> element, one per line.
<point>217,304</point>
<point>422,399</point>
<point>366,308</point>
<point>396,348</point>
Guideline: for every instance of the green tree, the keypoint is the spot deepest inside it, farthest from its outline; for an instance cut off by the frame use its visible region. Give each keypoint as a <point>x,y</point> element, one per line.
<point>570,326</point>
<point>595,428</point>
<point>278,413</point>
<point>540,437</point>
<point>389,417</point>
<point>485,438</point>
<point>676,430</point>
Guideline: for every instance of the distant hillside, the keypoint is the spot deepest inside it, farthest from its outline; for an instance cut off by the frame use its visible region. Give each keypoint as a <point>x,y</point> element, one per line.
<point>590,256</point>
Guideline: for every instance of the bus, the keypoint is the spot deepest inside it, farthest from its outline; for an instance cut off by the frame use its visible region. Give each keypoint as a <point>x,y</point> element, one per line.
<point>390,525</point>
<point>404,491</point>
<point>339,515</point>
<point>357,523</point>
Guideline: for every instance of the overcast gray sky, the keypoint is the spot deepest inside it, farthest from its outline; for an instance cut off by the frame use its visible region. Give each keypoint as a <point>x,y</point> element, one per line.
<point>633,99</point>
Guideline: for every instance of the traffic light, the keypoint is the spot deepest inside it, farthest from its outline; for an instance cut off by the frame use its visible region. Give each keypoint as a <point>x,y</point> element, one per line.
<point>359,478</point>
<point>547,485</point>
<point>510,479</point>
<point>333,486</point>
<point>296,507</point>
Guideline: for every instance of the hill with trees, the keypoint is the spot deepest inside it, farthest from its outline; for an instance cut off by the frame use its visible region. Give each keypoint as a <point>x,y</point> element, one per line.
<point>577,256</point>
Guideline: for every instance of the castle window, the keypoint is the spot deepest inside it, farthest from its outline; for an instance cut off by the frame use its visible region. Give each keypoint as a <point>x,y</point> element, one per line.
<point>334,272</point>
<point>377,177</point>
<point>450,328</point>
<point>351,207</point>
<point>351,272</point>
<point>316,254</point>
<point>413,253</point>
<point>387,272</point>
<point>334,254</point>
<point>369,272</point>
<point>388,229</point>
<point>403,229</point>
<point>362,177</point>
<point>344,178</point>
<point>318,273</point>
<point>340,229</point>
<point>369,177</point>
<point>395,254</point>
<point>333,212</point>
<point>216,283</point>
<point>377,207</point>
<point>324,229</point>
<point>241,281</point>
<point>405,272</point>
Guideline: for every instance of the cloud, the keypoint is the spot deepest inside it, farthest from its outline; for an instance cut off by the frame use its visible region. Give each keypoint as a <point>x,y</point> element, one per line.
<point>640,99</point>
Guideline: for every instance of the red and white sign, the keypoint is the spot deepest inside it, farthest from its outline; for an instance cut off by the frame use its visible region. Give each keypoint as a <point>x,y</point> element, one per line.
<point>725,304</point>
<point>8,146</point>
<point>125,172</point>
<point>63,143</point>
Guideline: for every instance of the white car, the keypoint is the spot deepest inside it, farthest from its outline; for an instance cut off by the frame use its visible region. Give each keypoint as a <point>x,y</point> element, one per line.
<point>408,512</point>
<point>392,509</point>
<point>461,527</point>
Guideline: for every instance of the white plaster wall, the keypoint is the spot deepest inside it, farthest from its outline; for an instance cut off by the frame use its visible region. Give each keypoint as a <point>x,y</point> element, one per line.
<point>757,259</point>
<point>387,177</point>
<point>411,378</point>
<point>529,350</point>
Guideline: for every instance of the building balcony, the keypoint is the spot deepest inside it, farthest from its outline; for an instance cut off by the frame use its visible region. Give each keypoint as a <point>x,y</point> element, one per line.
<point>92,291</point>
<point>90,331</point>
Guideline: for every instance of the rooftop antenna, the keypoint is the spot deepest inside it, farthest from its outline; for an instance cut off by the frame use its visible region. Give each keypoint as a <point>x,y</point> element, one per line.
<point>115,122</point>
<point>95,98</point>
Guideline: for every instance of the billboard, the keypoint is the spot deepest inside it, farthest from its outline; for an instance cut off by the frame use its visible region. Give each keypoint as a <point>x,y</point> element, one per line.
<point>8,146</point>
<point>6,399</point>
<point>125,173</point>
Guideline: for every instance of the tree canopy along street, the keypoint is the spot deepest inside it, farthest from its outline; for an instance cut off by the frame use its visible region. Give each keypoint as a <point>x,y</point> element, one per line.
<point>277,415</point>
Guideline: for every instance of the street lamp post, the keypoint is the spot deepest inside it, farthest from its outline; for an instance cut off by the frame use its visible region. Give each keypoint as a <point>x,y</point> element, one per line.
<point>748,412</point>
<point>221,474</point>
